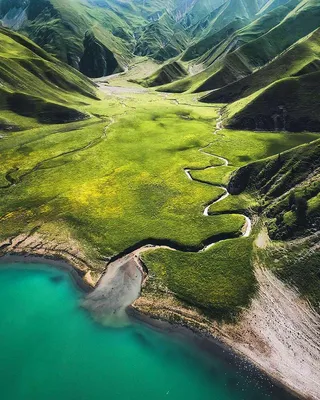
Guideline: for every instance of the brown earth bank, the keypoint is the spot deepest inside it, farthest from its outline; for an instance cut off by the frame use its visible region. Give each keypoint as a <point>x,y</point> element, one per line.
<point>279,333</point>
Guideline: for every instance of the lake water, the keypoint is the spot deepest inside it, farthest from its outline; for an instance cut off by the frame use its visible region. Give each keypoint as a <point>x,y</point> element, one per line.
<point>50,348</point>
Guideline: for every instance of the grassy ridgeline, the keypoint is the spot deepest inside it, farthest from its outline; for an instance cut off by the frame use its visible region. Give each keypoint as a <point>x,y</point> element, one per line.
<point>167,73</point>
<point>290,104</point>
<point>300,59</point>
<point>36,87</point>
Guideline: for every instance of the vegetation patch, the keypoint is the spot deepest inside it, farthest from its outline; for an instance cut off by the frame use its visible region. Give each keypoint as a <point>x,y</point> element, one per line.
<point>167,73</point>
<point>297,264</point>
<point>220,281</point>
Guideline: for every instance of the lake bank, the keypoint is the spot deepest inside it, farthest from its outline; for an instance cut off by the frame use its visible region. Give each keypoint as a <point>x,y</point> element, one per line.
<point>41,302</point>
<point>203,340</point>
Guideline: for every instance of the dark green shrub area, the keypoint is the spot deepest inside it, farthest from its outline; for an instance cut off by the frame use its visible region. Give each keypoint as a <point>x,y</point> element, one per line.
<point>289,186</point>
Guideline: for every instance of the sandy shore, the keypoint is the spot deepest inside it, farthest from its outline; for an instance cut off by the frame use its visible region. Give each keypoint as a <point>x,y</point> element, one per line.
<point>117,289</point>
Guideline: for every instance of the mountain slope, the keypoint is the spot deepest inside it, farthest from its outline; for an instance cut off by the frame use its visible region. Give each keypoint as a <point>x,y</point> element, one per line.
<point>159,29</point>
<point>168,73</point>
<point>291,104</point>
<point>226,13</point>
<point>262,45</point>
<point>302,58</point>
<point>250,31</point>
<point>162,39</point>
<point>61,28</point>
<point>297,23</point>
<point>34,84</point>
<point>289,185</point>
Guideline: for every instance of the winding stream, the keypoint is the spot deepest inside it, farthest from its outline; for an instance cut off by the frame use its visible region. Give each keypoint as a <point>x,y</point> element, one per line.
<point>121,283</point>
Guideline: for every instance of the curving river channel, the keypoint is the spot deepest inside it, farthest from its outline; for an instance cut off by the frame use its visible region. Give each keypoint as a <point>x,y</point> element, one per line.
<point>121,284</point>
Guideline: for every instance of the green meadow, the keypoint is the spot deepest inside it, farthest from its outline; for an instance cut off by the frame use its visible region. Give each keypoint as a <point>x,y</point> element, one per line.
<point>117,179</point>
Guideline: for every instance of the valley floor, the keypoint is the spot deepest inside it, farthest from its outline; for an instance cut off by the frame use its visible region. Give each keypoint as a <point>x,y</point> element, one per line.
<point>132,177</point>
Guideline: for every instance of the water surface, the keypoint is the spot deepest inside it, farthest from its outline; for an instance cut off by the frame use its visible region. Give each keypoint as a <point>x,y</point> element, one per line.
<point>50,348</point>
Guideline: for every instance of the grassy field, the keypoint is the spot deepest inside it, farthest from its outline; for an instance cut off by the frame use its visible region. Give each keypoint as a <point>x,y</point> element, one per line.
<point>243,147</point>
<point>128,187</point>
<point>220,280</point>
<point>117,179</point>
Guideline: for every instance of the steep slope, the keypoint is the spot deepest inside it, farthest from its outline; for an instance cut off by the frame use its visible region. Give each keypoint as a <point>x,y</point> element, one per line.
<point>60,28</point>
<point>226,13</point>
<point>97,60</point>
<point>291,104</point>
<point>289,185</point>
<point>302,58</point>
<point>34,84</point>
<point>120,28</point>
<point>162,39</point>
<point>244,34</point>
<point>212,41</point>
<point>272,4</point>
<point>296,21</point>
<point>199,10</point>
<point>168,73</point>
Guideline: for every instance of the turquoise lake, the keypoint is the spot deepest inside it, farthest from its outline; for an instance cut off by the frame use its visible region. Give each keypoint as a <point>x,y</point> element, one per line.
<point>50,348</point>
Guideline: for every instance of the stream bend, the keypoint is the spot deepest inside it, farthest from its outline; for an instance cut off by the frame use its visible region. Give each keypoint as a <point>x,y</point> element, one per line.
<point>121,283</point>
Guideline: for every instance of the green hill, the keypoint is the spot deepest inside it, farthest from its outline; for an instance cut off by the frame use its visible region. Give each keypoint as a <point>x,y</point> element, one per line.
<point>302,58</point>
<point>162,39</point>
<point>226,13</point>
<point>36,85</point>
<point>213,41</point>
<point>60,28</point>
<point>119,30</point>
<point>238,31</point>
<point>294,24</point>
<point>168,73</point>
<point>288,186</point>
<point>291,104</point>
<point>262,43</point>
